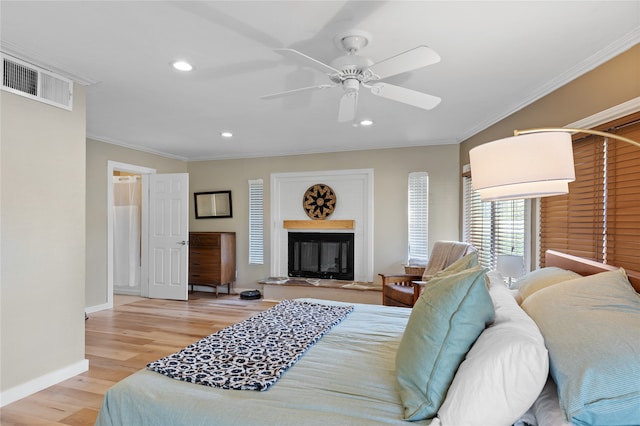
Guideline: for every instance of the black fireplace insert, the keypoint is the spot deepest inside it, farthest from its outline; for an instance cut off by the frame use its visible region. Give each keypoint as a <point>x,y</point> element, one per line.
<point>326,255</point>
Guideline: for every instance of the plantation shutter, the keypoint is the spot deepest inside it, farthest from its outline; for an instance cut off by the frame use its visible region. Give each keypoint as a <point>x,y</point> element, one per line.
<point>418,218</point>
<point>256,222</point>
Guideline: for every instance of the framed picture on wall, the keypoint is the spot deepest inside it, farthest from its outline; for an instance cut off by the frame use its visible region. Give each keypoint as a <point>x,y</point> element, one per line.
<point>213,204</point>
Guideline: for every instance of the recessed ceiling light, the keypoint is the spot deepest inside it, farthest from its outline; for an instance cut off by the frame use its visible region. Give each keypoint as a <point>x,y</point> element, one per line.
<point>226,134</point>
<point>366,123</point>
<point>182,66</point>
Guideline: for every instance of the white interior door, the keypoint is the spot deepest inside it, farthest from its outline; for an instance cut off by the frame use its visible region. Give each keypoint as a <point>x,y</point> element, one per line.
<point>168,236</point>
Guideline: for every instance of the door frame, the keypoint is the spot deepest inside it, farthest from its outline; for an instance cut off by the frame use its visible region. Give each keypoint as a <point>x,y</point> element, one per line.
<point>113,166</point>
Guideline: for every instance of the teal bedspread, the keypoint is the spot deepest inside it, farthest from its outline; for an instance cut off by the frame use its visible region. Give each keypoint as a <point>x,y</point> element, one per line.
<point>348,377</point>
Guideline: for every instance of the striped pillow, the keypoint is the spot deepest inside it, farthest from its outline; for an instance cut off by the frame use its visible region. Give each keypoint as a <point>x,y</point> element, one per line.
<point>591,327</point>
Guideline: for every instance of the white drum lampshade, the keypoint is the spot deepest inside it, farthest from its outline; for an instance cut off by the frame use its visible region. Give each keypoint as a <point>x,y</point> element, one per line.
<point>525,166</point>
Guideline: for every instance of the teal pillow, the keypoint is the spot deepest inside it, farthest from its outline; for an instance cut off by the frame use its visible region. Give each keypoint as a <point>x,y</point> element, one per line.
<point>445,321</point>
<point>591,327</point>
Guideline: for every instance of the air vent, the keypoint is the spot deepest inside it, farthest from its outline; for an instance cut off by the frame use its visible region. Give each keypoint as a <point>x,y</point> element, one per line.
<point>33,82</point>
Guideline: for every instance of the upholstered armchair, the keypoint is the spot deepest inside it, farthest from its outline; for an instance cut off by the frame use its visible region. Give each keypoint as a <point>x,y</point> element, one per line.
<point>404,289</point>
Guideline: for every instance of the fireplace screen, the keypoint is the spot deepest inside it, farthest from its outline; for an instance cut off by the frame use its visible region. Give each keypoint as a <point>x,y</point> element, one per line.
<point>321,255</point>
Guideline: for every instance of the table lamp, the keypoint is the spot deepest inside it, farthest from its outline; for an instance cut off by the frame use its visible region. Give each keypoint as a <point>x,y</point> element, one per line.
<point>510,266</point>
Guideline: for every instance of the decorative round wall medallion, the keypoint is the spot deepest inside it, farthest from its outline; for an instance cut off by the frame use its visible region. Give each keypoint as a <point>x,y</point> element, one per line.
<point>319,201</point>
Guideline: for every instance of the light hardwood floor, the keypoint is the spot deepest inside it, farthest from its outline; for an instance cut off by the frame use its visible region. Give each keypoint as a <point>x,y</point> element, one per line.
<point>121,341</point>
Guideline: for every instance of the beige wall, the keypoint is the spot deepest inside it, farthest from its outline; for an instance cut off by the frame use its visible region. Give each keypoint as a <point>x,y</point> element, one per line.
<point>391,168</point>
<point>98,154</point>
<point>608,85</point>
<point>42,242</point>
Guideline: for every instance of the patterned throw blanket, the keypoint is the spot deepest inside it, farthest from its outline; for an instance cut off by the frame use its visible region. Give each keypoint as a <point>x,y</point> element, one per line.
<point>253,354</point>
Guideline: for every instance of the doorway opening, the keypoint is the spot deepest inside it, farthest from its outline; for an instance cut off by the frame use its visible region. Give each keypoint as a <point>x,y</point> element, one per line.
<point>127,235</point>
<point>126,229</point>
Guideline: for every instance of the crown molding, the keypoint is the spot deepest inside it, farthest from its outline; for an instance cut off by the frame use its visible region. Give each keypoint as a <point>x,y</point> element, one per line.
<point>607,53</point>
<point>32,57</point>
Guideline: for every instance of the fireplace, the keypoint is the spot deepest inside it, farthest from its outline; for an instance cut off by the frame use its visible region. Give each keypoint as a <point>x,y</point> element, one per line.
<point>326,255</point>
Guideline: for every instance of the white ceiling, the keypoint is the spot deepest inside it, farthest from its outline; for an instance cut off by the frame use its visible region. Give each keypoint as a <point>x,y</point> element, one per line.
<point>497,57</point>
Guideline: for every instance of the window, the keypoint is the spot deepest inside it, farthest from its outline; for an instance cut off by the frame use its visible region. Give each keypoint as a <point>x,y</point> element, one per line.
<point>418,218</point>
<point>256,222</point>
<point>600,216</point>
<point>494,228</point>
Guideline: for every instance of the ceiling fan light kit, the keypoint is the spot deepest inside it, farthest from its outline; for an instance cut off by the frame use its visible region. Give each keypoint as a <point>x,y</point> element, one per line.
<point>352,71</point>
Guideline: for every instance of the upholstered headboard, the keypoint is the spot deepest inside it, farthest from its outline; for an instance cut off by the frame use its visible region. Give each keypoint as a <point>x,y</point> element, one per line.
<point>585,266</point>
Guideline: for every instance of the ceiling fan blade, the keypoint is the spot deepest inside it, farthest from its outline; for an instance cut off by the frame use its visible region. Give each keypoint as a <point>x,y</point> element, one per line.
<point>348,104</point>
<point>294,91</point>
<point>410,60</point>
<point>406,96</point>
<point>308,60</point>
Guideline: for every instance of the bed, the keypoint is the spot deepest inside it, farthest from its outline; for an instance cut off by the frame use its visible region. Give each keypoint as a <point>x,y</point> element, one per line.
<point>368,368</point>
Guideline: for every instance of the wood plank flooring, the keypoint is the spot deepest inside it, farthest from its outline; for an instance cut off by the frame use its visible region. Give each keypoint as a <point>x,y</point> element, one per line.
<point>121,341</point>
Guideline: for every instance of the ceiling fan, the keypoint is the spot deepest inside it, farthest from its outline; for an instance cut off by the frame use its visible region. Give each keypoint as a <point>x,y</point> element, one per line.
<point>352,71</point>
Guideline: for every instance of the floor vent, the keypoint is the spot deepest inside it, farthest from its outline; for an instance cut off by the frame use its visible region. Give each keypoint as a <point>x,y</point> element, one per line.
<point>28,80</point>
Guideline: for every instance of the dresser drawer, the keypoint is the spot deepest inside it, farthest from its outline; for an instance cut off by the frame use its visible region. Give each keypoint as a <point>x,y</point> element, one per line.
<point>198,256</point>
<point>204,240</point>
<point>210,269</point>
<point>204,277</point>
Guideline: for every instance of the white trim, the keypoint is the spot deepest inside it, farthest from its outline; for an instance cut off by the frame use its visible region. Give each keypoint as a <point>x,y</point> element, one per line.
<point>604,55</point>
<point>537,228</point>
<point>130,168</point>
<point>134,147</point>
<point>528,218</point>
<point>610,114</point>
<point>30,57</point>
<point>364,226</point>
<point>144,236</point>
<point>97,308</point>
<point>32,386</point>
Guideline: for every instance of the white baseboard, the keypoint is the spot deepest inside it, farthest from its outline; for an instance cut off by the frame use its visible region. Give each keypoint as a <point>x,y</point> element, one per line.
<point>32,386</point>
<point>96,308</point>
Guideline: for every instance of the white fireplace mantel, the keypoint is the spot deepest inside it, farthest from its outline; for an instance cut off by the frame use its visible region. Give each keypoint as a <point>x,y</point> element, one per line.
<point>354,205</point>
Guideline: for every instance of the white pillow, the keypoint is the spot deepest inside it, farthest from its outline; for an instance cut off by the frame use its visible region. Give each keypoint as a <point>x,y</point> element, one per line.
<point>495,279</point>
<point>547,407</point>
<point>542,278</point>
<point>503,373</point>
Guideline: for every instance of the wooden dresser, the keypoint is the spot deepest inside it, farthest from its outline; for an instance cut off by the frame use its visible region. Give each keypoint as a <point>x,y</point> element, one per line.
<point>212,259</point>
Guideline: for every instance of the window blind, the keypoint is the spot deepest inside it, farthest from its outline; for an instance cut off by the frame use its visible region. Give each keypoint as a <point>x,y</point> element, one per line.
<point>418,209</point>
<point>623,200</point>
<point>493,228</point>
<point>600,216</point>
<point>256,222</point>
